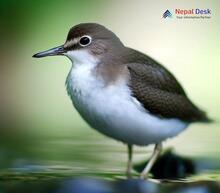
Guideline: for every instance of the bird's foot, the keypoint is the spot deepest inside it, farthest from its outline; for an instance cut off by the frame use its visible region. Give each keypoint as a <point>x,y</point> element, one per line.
<point>129,175</point>
<point>144,176</point>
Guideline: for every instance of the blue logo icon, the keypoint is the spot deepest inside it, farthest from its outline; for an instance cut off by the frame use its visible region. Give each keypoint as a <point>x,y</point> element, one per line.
<point>167,13</point>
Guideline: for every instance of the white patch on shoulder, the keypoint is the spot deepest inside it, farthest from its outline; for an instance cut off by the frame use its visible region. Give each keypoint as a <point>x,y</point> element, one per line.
<point>111,109</point>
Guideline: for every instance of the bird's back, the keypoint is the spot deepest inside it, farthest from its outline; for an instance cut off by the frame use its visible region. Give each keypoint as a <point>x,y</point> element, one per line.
<point>159,91</point>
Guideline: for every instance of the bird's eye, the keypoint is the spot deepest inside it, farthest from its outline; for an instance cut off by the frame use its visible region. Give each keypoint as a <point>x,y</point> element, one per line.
<point>85,40</point>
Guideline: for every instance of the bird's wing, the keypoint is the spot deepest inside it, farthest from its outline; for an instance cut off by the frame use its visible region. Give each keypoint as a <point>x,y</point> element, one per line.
<point>160,93</point>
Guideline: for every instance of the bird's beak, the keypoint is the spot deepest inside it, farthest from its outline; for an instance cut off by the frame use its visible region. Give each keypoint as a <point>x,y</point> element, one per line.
<point>51,52</point>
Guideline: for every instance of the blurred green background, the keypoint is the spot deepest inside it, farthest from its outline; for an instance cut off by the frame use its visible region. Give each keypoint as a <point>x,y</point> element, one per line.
<point>38,123</point>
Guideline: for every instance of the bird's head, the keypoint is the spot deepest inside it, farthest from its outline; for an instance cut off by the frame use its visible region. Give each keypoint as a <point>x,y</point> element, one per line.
<point>85,40</point>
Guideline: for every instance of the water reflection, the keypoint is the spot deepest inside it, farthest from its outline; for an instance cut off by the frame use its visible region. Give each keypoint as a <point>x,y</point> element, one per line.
<point>66,165</point>
<point>28,177</point>
<point>170,166</point>
<point>91,185</point>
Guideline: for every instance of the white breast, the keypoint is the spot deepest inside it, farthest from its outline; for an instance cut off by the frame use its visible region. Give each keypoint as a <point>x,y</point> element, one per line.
<point>112,111</point>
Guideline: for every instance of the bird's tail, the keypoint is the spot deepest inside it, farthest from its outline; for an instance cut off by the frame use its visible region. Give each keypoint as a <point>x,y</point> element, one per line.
<point>203,117</point>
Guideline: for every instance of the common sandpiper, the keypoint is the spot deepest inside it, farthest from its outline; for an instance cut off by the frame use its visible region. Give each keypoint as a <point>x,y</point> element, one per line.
<point>122,92</point>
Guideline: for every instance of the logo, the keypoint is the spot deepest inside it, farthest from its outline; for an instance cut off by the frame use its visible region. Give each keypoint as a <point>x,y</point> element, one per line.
<point>193,13</point>
<point>167,13</point>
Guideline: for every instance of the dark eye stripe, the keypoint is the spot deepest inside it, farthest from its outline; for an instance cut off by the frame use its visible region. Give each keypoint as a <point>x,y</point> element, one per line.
<point>71,44</point>
<point>77,42</point>
<point>70,47</point>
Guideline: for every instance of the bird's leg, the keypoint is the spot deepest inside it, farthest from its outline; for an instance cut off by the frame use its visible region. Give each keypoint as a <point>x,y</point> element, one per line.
<point>152,160</point>
<point>129,166</point>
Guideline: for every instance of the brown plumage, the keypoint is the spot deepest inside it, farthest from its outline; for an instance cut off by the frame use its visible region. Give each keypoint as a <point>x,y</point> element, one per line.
<point>158,90</point>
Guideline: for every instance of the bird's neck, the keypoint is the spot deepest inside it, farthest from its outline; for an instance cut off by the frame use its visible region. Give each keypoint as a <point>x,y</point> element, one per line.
<point>107,68</point>
<point>81,58</point>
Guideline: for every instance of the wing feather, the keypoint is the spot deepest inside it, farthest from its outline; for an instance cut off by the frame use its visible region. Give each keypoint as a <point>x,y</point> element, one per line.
<point>160,93</point>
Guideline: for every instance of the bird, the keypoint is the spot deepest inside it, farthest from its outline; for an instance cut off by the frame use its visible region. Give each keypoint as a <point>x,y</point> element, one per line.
<point>124,93</point>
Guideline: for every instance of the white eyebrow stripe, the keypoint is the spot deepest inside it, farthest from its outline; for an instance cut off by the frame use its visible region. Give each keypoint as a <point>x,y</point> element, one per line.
<point>71,42</point>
